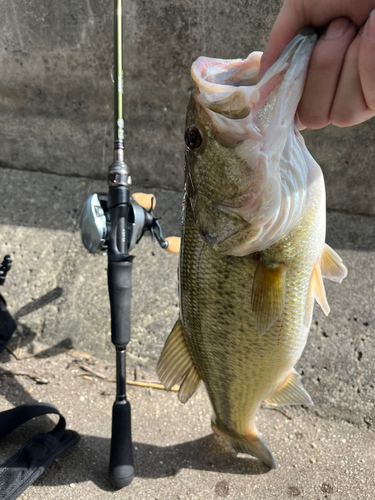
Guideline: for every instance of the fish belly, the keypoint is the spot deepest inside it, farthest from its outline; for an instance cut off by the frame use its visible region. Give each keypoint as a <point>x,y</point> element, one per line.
<point>240,368</point>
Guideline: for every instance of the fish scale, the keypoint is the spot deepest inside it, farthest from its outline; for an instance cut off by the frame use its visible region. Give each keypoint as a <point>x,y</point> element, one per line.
<point>223,351</point>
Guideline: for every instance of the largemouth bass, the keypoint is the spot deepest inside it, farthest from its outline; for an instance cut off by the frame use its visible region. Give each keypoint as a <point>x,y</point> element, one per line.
<point>253,250</point>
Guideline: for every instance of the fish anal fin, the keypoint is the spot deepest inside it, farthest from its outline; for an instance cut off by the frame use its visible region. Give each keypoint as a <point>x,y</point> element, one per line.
<point>332,266</point>
<point>268,297</point>
<point>291,392</point>
<point>253,444</point>
<point>189,384</point>
<point>318,290</point>
<point>175,364</point>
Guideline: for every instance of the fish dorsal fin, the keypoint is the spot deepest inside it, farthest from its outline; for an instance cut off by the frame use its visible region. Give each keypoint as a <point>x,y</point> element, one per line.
<point>332,266</point>
<point>317,288</point>
<point>268,297</point>
<point>291,392</point>
<point>175,365</point>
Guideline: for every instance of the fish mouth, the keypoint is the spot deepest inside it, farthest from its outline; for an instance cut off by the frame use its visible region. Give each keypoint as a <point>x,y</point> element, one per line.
<point>220,75</point>
<point>231,87</point>
<point>227,87</point>
<point>281,87</point>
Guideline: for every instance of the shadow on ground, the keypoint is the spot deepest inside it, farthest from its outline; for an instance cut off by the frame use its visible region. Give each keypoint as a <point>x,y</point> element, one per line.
<point>89,459</point>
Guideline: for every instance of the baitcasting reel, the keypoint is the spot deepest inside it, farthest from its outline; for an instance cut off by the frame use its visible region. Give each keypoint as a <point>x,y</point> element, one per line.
<point>95,223</point>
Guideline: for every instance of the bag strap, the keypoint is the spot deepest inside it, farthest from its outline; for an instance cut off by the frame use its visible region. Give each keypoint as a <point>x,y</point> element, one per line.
<point>21,470</point>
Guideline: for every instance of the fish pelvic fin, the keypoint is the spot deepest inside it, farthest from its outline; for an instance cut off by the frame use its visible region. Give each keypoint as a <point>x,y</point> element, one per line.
<point>253,444</point>
<point>268,297</point>
<point>328,266</point>
<point>332,266</point>
<point>291,392</point>
<point>317,288</point>
<point>175,365</point>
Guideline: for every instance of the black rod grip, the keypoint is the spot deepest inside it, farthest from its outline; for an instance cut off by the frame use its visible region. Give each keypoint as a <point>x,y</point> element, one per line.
<point>121,468</point>
<point>120,290</point>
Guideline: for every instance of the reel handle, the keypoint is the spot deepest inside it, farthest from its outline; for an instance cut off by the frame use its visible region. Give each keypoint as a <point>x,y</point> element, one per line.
<point>174,243</point>
<point>121,468</point>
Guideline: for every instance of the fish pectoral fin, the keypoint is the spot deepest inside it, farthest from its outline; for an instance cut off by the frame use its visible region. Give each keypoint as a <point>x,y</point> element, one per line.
<point>291,392</point>
<point>175,365</point>
<point>332,266</point>
<point>268,297</point>
<point>252,444</point>
<point>317,288</point>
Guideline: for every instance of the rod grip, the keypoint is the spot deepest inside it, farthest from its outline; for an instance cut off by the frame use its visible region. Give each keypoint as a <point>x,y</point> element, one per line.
<point>121,468</point>
<point>119,286</point>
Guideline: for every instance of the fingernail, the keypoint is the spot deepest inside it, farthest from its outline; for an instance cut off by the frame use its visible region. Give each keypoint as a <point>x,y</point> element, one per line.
<point>337,28</point>
<point>369,31</point>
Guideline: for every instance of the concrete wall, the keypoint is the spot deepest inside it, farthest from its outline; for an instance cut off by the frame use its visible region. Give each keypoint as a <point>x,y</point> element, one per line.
<point>56,90</point>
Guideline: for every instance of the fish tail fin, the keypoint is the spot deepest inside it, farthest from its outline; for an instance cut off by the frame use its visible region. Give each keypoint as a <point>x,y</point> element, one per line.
<point>252,444</point>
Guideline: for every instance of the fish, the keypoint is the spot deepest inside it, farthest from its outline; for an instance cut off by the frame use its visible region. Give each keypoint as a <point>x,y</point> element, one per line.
<point>253,252</point>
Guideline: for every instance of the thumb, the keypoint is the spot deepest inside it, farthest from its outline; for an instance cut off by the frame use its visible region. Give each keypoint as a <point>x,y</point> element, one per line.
<point>286,27</point>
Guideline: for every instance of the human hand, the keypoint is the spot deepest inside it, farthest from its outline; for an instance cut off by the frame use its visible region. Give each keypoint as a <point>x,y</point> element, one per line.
<point>340,82</point>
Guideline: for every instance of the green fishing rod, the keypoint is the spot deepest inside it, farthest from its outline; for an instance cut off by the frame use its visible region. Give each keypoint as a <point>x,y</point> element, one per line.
<point>114,223</point>
<point>121,467</point>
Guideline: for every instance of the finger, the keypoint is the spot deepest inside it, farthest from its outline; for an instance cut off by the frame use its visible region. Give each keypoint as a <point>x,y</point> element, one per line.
<point>366,61</point>
<point>323,74</point>
<point>297,14</point>
<point>298,122</point>
<point>286,27</point>
<point>349,106</point>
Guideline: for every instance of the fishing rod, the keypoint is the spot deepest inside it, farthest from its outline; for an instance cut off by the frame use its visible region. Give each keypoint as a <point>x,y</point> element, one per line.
<point>114,223</point>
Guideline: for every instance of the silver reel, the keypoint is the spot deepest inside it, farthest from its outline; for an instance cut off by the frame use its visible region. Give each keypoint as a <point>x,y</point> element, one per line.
<point>94,223</point>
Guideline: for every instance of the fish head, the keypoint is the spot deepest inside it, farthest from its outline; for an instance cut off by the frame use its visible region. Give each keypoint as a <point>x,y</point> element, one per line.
<point>236,131</point>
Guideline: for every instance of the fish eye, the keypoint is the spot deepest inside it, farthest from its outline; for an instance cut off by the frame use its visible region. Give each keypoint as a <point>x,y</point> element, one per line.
<point>193,137</point>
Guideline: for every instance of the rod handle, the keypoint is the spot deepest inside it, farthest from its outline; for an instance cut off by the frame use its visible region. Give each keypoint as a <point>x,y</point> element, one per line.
<point>120,289</point>
<point>121,468</point>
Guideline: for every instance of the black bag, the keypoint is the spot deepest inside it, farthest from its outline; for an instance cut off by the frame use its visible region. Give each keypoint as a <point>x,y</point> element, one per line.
<point>7,324</point>
<point>21,470</point>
